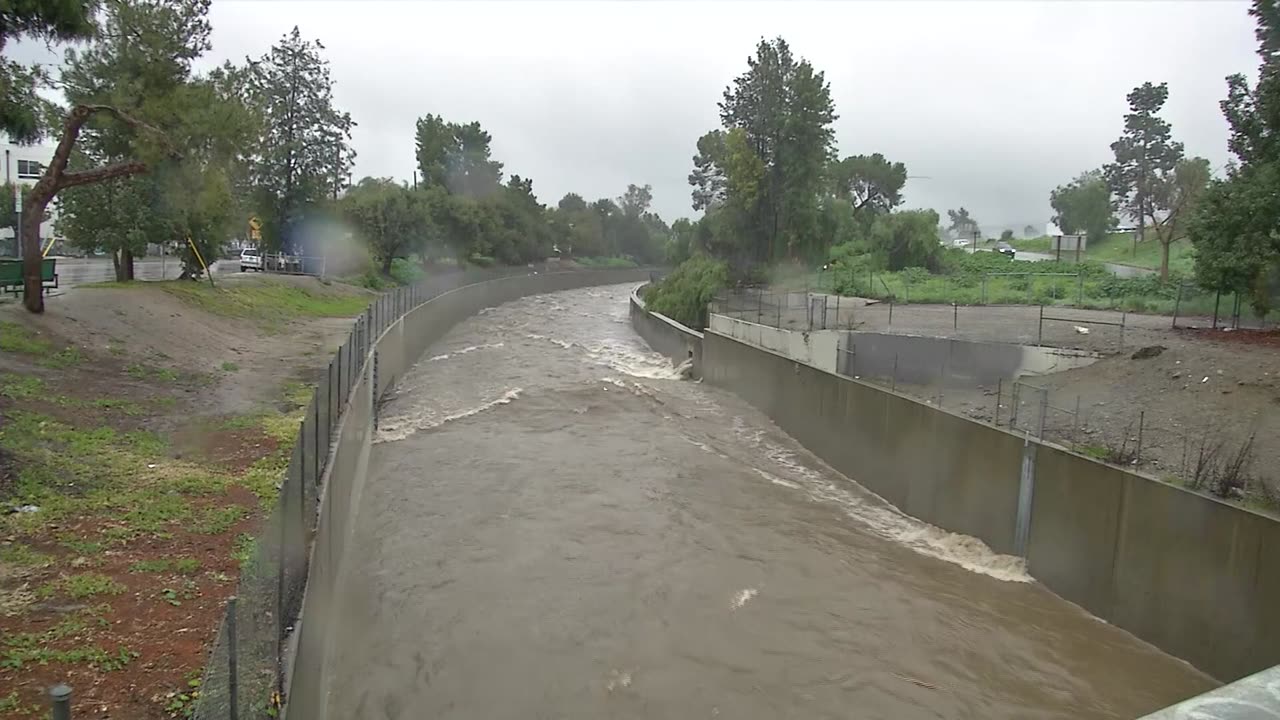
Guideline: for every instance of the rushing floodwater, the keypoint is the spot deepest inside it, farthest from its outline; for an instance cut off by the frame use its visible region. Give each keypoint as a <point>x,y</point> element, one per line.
<point>556,526</point>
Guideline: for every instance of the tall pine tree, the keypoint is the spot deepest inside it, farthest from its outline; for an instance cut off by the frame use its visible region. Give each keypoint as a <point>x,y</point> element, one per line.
<point>304,154</point>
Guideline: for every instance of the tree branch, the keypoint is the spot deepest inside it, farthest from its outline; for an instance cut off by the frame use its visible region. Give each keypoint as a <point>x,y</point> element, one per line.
<point>106,172</point>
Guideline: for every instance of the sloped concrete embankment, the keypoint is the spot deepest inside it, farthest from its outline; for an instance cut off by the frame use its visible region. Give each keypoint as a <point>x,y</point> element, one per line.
<point>1191,575</point>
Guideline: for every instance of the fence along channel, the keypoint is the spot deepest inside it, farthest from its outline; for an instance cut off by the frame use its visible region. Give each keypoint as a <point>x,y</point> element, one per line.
<point>244,674</point>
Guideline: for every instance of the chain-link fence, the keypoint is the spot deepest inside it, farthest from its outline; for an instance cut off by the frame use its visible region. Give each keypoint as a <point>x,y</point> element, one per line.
<point>1197,308</point>
<point>244,675</point>
<point>1053,325</point>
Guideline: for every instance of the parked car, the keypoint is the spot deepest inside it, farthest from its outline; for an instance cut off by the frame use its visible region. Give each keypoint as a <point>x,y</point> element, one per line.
<point>1005,248</point>
<point>250,259</point>
<point>961,242</point>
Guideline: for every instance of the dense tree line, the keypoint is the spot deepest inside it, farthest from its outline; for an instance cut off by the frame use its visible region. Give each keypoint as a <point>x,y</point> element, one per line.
<point>1236,225</point>
<point>459,208</point>
<point>772,189</point>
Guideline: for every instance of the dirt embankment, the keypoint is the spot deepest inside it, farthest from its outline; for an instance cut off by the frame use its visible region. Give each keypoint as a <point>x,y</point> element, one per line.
<point>143,430</point>
<point>1181,405</point>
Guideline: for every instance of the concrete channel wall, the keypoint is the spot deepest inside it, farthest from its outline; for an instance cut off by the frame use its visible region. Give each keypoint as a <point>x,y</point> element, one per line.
<point>666,336</point>
<point>818,348</point>
<point>1198,578</point>
<point>393,353</point>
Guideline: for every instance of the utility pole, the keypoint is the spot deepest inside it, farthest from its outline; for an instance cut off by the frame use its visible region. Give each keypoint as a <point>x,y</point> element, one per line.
<point>976,233</point>
<point>415,179</point>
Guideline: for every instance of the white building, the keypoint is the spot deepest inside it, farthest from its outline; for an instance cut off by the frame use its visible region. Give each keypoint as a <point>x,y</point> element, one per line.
<point>23,165</point>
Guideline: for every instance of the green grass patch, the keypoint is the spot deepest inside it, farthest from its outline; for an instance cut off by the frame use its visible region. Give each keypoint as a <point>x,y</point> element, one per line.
<point>242,549</point>
<point>1119,248</point>
<point>155,565</point>
<point>229,367</point>
<point>19,654</point>
<point>268,301</point>
<point>155,513</point>
<point>186,566</point>
<point>65,358</point>
<point>217,520</point>
<point>138,371</point>
<point>79,545</point>
<point>83,585</point>
<point>20,387</point>
<point>23,556</point>
<point>606,262</point>
<point>18,339</point>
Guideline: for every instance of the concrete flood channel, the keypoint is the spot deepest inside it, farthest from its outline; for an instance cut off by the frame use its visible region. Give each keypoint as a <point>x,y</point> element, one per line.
<point>555,524</point>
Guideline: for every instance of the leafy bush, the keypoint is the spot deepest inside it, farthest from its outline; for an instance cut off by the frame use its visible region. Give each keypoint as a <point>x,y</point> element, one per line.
<point>405,272</point>
<point>684,294</point>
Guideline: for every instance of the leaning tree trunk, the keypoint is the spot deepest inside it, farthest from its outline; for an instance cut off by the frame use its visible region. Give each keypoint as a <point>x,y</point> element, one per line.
<point>32,284</point>
<point>57,178</point>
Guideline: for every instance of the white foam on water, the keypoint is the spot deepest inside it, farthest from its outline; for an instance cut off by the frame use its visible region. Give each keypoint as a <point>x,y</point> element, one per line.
<point>777,480</point>
<point>400,427</point>
<point>628,360</point>
<point>882,518</point>
<point>743,597</point>
<point>438,358</point>
<point>473,348</point>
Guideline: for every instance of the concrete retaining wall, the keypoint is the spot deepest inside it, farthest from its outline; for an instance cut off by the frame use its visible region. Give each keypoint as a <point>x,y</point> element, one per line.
<point>666,336</point>
<point>398,348</point>
<point>1198,578</point>
<point>956,363</point>
<point>818,348</point>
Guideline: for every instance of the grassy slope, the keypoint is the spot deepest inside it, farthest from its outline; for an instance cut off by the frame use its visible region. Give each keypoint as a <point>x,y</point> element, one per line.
<point>1118,248</point>
<point>127,525</point>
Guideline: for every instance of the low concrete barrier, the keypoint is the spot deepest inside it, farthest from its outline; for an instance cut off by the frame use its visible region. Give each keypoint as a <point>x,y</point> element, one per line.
<point>818,348</point>
<point>391,355</point>
<point>666,336</point>
<point>1198,578</point>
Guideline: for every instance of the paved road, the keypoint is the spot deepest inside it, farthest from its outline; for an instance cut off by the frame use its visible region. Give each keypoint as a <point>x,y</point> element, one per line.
<point>556,527</point>
<point>81,271</point>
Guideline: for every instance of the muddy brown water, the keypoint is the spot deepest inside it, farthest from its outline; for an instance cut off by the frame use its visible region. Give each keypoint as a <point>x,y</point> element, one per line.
<point>556,526</point>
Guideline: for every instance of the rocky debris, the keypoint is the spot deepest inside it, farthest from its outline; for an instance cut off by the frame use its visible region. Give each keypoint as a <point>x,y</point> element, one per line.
<point>1147,352</point>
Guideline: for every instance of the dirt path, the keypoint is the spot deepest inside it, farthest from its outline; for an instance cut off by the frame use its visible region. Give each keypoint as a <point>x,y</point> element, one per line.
<point>142,434</point>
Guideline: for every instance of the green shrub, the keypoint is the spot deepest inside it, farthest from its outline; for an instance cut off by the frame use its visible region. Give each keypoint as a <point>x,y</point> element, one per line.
<point>684,294</point>
<point>405,272</point>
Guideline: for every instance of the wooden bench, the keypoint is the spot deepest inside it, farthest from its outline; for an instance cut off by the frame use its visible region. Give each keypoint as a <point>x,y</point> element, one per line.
<point>11,275</point>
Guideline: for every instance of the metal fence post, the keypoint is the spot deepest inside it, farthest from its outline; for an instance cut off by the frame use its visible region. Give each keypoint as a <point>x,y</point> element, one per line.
<point>233,683</point>
<point>1075,423</point>
<point>1142,420</point>
<point>1124,316</point>
<point>983,300</point>
<point>374,408</point>
<point>1079,289</point>
<point>999,392</point>
<point>61,696</point>
<point>1044,410</point>
<point>1040,327</point>
<point>1176,305</point>
<point>891,312</point>
<point>955,316</point>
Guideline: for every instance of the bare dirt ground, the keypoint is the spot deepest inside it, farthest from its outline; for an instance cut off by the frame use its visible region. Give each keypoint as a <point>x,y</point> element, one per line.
<point>142,434</point>
<point>1201,392</point>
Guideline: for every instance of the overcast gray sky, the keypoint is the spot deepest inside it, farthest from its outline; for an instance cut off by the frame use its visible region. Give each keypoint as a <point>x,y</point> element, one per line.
<point>996,103</point>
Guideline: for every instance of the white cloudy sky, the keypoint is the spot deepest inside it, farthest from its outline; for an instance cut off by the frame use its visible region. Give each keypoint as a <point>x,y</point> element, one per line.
<point>995,102</point>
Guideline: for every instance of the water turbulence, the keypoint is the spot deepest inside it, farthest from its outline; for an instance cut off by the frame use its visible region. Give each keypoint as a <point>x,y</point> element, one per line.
<point>556,524</point>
